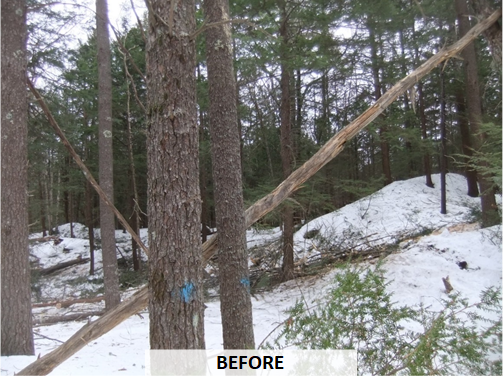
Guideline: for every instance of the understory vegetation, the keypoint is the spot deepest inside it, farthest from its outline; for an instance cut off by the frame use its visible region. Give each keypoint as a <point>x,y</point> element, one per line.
<point>358,313</point>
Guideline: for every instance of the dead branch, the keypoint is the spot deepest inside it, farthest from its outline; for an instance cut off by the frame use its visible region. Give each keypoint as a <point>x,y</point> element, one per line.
<point>332,148</point>
<point>46,320</point>
<point>70,302</point>
<point>63,265</point>
<point>45,239</point>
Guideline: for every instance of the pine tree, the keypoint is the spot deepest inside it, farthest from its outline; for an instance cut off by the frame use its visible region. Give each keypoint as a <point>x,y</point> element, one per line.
<point>107,219</point>
<point>174,207</point>
<point>234,281</point>
<point>17,333</point>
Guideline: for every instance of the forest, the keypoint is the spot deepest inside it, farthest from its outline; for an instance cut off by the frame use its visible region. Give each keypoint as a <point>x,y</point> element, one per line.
<point>200,120</point>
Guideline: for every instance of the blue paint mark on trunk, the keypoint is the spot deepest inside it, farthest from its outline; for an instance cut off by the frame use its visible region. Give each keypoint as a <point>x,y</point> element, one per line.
<point>187,292</point>
<point>245,282</point>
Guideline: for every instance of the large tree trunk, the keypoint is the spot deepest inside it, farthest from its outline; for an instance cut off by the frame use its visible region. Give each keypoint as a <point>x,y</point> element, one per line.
<point>234,282</point>
<point>174,205</point>
<point>329,151</point>
<point>17,335</point>
<point>107,221</point>
<point>490,215</point>
<point>286,146</point>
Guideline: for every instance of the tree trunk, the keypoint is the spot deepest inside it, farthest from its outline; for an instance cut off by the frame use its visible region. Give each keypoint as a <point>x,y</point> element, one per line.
<point>174,204</point>
<point>286,148</point>
<point>42,206</point>
<point>133,195</point>
<point>442,122</point>
<point>90,226</point>
<point>382,131</point>
<point>467,149</point>
<point>17,334</point>
<point>107,221</point>
<point>234,282</point>
<point>490,214</point>
<point>423,122</point>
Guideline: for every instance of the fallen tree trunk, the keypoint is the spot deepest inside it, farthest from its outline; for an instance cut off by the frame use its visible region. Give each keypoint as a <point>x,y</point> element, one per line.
<point>63,265</point>
<point>47,320</point>
<point>45,239</point>
<point>69,302</point>
<point>333,147</point>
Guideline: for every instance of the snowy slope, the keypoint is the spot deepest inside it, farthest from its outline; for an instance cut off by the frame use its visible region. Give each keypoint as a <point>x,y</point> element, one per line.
<point>402,210</point>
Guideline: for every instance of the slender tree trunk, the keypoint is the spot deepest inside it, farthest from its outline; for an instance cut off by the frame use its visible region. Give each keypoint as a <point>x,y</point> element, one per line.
<point>467,149</point>
<point>384,146</point>
<point>443,141</point>
<point>407,122</point>
<point>42,206</point>
<point>17,334</point>
<point>107,220</point>
<point>490,215</point>
<point>89,221</point>
<point>134,198</point>
<point>423,122</point>
<point>234,281</point>
<point>286,148</point>
<point>174,203</point>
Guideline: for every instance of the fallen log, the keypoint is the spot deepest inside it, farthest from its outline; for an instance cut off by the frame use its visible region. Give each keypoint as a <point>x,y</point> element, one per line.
<point>47,320</point>
<point>333,147</point>
<point>69,302</point>
<point>44,239</point>
<point>63,265</point>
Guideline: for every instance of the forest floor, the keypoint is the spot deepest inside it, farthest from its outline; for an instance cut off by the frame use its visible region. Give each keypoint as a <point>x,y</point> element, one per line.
<point>400,223</point>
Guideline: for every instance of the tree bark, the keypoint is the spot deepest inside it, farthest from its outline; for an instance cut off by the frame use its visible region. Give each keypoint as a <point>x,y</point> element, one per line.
<point>17,335</point>
<point>286,147</point>
<point>442,122</point>
<point>490,214</point>
<point>330,150</point>
<point>423,122</point>
<point>493,34</point>
<point>382,131</point>
<point>106,160</point>
<point>234,281</point>
<point>467,149</point>
<point>174,204</point>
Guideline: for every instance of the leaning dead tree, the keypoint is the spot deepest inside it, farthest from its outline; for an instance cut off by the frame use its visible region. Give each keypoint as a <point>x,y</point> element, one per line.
<point>329,151</point>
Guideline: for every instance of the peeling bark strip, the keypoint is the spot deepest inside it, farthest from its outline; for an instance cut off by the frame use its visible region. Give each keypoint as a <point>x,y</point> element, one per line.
<point>139,300</point>
<point>83,167</point>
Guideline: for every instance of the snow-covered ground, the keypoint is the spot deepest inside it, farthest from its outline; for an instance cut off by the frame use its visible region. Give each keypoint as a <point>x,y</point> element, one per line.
<point>398,214</point>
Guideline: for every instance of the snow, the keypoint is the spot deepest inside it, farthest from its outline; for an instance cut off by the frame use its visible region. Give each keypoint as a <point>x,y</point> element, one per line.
<point>404,214</point>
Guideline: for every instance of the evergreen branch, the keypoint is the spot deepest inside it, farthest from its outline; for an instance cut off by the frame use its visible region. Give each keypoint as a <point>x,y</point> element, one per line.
<point>207,25</point>
<point>126,51</point>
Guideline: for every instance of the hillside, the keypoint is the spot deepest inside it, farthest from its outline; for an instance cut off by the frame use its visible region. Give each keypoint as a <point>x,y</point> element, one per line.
<point>401,221</point>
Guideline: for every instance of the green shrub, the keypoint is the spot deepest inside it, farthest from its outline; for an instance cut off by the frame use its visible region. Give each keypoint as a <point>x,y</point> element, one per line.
<point>358,313</point>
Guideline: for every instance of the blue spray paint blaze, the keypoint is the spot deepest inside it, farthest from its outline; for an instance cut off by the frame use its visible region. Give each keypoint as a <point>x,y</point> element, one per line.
<point>246,282</point>
<point>187,292</point>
